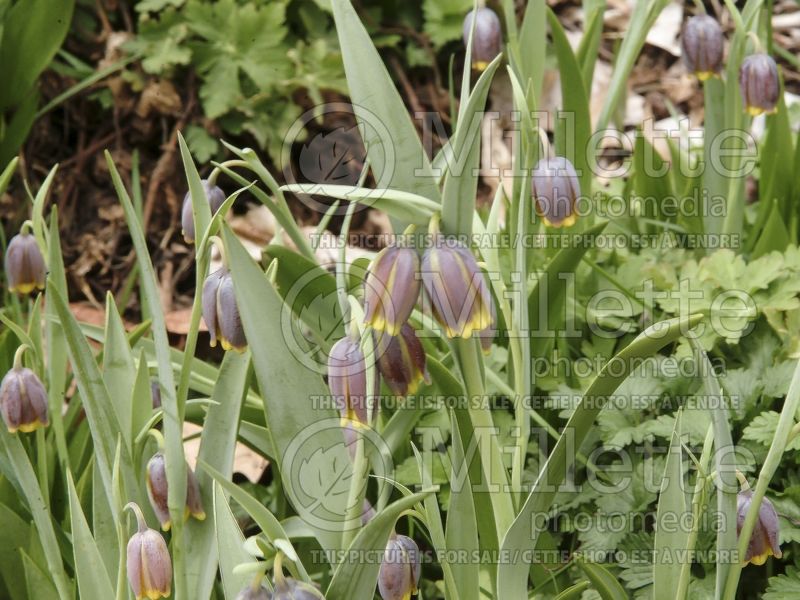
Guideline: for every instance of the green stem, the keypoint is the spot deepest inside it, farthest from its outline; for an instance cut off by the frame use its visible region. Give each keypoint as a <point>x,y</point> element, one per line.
<point>494,472</point>
<point>41,463</point>
<point>203,260</point>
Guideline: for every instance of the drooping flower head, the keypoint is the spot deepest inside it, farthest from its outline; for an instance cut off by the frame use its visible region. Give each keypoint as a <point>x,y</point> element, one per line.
<point>391,288</point>
<point>215,197</point>
<point>401,360</point>
<point>149,562</point>
<point>556,191</point>
<point>347,379</point>
<point>488,38</point>
<point>456,289</point>
<point>221,312</point>
<point>24,264</point>
<point>764,541</point>
<point>23,399</point>
<point>702,46</point>
<point>158,490</point>
<point>760,84</point>
<point>398,577</point>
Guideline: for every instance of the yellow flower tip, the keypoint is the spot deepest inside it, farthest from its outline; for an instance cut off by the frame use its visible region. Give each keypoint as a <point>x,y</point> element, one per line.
<point>226,345</point>
<point>705,75</point>
<point>761,558</point>
<point>479,65</point>
<point>754,111</point>
<point>166,526</point>
<point>200,515</point>
<point>568,222</point>
<point>29,427</point>
<point>156,594</point>
<point>24,288</point>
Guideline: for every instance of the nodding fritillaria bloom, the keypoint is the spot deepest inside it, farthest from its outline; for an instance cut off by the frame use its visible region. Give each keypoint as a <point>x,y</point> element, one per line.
<point>157,491</point>
<point>487,39</point>
<point>400,569</point>
<point>215,197</point>
<point>401,360</point>
<point>220,311</point>
<point>459,296</point>
<point>347,379</point>
<point>148,560</point>
<point>764,540</point>
<point>23,399</point>
<point>556,191</point>
<point>24,264</point>
<point>759,84</point>
<point>391,288</point>
<point>702,46</point>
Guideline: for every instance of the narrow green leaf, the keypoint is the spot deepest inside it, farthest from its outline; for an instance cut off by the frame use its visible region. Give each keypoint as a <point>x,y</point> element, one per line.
<point>93,581</point>
<point>574,128</point>
<point>671,540</point>
<point>217,445</point>
<point>532,47</point>
<point>462,526</point>
<point>463,158</point>
<point>305,434</point>
<point>393,146</point>
<point>119,372</point>
<point>230,546</point>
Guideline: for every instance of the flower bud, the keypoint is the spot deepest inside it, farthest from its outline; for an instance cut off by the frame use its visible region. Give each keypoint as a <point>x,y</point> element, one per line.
<point>401,360</point>
<point>456,289</point>
<point>391,288</point>
<point>556,191</point>
<point>24,264</point>
<point>764,540</point>
<point>250,593</point>
<point>347,379</point>
<point>157,491</point>
<point>215,197</point>
<point>220,311</point>
<point>487,39</point>
<point>760,84</point>
<point>289,588</point>
<point>399,573</point>
<point>23,400</point>
<point>149,563</point>
<point>702,46</point>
